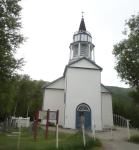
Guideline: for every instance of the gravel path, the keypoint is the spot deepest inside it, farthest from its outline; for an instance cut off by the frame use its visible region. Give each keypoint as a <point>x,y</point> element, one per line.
<point>119,145</point>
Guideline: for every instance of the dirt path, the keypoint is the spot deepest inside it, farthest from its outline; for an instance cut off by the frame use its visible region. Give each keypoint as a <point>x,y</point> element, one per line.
<point>119,145</point>
<point>117,140</point>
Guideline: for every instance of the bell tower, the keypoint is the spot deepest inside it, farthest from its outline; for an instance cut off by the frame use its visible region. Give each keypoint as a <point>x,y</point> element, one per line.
<point>82,44</point>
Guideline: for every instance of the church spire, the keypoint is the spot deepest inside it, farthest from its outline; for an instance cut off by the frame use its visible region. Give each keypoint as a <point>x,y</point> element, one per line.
<point>82,25</point>
<point>82,45</point>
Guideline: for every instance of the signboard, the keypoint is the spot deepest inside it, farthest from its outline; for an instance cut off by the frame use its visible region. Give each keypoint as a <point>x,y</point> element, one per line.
<point>43,115</point>
<point>52,115</point>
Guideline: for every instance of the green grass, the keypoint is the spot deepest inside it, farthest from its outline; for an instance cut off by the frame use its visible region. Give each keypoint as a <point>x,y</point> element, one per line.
<point>66,141</point>
<point>134,138</point>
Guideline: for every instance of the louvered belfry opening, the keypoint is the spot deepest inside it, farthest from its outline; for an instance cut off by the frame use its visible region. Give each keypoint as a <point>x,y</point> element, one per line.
<point>75,51</point>
<point>84,50</point>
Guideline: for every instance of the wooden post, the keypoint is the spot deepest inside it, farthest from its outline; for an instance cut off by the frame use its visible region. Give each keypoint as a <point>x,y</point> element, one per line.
<point>83,134</point>
<point>111,134</point>
<point>93,128</point>
<point>47,124</point>
<point>128,131</point>
<point>57,136</point>
<point>36,123</point>
<point>115,120</point>
<point>57,115</point>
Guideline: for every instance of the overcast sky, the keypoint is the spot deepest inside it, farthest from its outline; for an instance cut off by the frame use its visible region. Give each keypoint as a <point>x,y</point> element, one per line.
<point>50,25</point>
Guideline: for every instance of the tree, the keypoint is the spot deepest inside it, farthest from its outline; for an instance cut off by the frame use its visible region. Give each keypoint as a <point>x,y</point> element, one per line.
<point>28,96</point>
<point>36,99</point>
<point>126,53</point>
<point>22,89</point>
<point>128,110</point>
<point>10,40</point>
<point>6,98</point>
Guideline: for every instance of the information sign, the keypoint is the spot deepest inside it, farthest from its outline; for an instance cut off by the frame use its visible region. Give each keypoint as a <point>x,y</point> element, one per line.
<point>42,114</point>
<point>52,115</point>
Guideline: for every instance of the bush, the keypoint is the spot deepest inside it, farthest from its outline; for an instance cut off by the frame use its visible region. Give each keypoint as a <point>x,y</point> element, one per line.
<point>134,138</point>
<point>75,142</point>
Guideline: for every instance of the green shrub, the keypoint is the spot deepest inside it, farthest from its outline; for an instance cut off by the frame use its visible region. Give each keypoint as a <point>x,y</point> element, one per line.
<point>135,138</point>
<point>75,142</point>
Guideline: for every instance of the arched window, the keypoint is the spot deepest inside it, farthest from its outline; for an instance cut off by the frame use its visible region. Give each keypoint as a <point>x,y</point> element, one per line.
<point>83,107</point>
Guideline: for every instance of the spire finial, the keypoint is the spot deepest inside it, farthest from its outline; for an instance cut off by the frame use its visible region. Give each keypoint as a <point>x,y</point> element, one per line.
<point>82,14</point>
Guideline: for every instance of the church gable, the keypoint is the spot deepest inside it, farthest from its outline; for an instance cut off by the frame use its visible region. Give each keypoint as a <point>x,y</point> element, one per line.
<point>56,84</point>
<point>105,90</point>
<point>84,64</point>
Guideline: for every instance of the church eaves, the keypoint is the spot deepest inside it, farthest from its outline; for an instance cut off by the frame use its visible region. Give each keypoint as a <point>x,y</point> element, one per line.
<point>52,82</point>
<point>106,88</point>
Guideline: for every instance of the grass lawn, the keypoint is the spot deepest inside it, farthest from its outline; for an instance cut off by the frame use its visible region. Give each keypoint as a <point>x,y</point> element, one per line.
<point>66,141</point>
<point>134,138</point>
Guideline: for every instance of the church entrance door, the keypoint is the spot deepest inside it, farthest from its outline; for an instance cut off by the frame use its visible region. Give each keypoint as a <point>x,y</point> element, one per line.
<point>83,110</point>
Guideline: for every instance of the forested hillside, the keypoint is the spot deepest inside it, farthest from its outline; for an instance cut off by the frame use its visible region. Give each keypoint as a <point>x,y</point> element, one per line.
<point>123,105</point>
<point>120,93</point>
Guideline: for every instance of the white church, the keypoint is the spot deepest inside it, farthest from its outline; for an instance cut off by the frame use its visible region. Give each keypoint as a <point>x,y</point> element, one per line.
<point>80,91</point>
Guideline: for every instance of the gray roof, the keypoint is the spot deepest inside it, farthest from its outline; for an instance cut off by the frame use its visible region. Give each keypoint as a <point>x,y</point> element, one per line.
<point>107,88</point>
<point>52,82</point>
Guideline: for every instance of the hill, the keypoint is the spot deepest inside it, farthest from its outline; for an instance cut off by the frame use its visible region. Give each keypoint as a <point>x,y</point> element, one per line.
<point>120,93</point>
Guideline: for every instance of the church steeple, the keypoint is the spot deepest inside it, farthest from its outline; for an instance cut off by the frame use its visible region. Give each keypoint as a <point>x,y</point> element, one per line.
<point>82,25</point>
<point>82,44</point>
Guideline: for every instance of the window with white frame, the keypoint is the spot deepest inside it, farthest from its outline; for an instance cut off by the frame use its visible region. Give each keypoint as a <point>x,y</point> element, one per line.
<point>83,107</point>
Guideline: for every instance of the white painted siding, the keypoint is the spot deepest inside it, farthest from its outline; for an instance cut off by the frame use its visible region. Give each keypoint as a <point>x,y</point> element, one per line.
<point>89,39</point>
<point>85,64</point>
<point>83,86</point>
<point>83,37</point>
<point>60,84</point>
<point>54,100</point>
<point>76,38</point>
<point>107,113</point>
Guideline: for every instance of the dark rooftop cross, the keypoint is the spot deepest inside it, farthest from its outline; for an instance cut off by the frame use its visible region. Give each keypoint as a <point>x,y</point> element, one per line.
<point>82,14</point>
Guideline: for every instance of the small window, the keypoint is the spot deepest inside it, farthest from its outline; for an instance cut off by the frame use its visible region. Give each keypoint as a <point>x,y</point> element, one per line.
<point>83,107</point>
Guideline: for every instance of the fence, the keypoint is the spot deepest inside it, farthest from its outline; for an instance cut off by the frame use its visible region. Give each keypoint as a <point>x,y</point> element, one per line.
<point>122,122</point>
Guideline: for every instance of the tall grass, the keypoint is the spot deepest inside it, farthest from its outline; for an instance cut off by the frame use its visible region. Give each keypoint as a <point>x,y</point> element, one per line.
<point>135,138</point>
<point>66,141</point>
